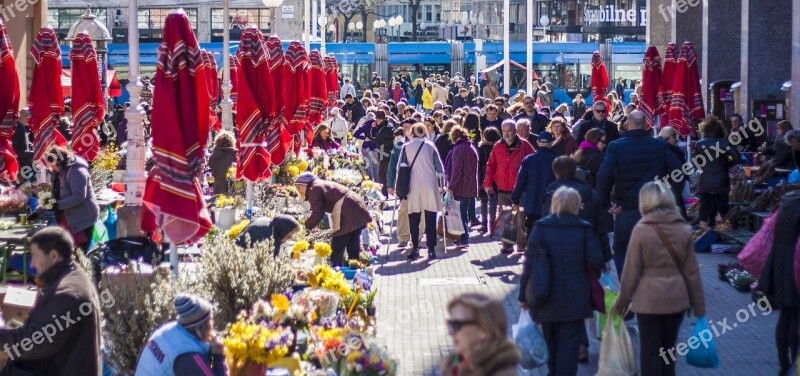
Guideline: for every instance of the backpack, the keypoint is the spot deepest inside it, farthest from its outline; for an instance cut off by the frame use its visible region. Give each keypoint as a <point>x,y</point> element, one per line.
<point>403,183</point>
<point>584,173</point>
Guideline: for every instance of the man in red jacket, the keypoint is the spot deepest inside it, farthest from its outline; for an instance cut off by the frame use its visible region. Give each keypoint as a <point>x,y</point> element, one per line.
<point>501,175</point>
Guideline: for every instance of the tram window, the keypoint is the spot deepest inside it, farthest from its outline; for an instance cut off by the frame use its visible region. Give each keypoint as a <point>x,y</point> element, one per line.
<point>629,73</point>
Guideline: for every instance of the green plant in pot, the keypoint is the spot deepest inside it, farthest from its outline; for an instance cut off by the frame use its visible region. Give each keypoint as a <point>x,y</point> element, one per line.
<point>370,303</point>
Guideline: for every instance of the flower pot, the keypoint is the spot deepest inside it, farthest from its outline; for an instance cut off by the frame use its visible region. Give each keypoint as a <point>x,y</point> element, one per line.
<point>226,218</point>
<point>371,311</point>
<point>248,369</point>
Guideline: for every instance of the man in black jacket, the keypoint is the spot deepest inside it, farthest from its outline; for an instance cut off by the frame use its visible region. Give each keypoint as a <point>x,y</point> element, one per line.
<point>599,120</point>
<point>61,335</point>
<point>353,110</point>
<point>538,121</point>
<point>22,143</point>
<point>629,163</point>
<point>382,134</point>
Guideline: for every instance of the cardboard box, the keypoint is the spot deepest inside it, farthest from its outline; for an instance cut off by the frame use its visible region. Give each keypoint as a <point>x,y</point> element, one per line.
<point>17,303</point>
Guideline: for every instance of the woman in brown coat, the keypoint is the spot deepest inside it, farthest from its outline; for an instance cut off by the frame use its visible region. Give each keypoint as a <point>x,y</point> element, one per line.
<point>661,276</point>
<point>349,215</point>
<point>478,326</point>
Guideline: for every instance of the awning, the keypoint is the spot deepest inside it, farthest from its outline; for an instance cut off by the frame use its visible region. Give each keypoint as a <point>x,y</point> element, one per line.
<point>111,78</point>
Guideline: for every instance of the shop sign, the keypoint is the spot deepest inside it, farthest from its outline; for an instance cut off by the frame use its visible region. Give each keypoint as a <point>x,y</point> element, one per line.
<point>611,13</point>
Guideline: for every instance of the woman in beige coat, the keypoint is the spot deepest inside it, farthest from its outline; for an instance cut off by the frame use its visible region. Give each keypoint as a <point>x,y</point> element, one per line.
<point>661,276</point>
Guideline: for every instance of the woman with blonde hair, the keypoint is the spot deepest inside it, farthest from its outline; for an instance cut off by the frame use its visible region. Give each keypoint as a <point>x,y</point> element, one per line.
<point>477,325</point>
<point>661,276</point>
<point>555,282</point>
<point>564,143</point>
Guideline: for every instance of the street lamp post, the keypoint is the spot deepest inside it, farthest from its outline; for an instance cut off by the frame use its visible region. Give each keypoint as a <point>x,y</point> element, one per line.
<point>322,21</point>
<point>378,26</point>
<point>453,29</point>
<point>360,27</point>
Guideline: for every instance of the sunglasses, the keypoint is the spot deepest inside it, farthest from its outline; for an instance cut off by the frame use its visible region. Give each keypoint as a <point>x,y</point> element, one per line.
<point>600,111</point>
<point>455,326</point>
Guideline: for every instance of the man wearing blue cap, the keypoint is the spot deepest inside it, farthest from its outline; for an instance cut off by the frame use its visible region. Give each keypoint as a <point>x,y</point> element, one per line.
<point>535,174</point>
<point>186,346</point>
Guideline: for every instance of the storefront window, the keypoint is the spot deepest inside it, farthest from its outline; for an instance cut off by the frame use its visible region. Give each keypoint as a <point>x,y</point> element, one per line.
<point>64,18</point>
<point>154,18</point>
<point>242,18</point>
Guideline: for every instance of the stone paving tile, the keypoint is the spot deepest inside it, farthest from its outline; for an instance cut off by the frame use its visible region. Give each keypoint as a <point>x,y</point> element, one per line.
<point>412,318</point>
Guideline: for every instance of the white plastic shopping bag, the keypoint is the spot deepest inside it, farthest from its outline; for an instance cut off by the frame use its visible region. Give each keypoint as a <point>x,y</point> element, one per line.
<point>530,342</point>
<point>452,216</point>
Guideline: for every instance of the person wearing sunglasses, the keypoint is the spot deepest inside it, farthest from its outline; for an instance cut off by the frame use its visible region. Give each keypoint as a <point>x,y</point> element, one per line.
<point>538,120</point>
<point>598,120</point>
<point>477,325</point>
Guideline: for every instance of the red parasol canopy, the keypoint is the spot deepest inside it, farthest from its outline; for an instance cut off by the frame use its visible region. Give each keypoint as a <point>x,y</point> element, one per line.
<point>114,88</point>
<point>256,101</point>
<point>9,103</point>
<point>686,107</point>
<point>331,80</point>
<point>88,107</point>
<point>295,91</point>
<point>234,76</point>
<point>317,88</point>
<point>210,64</point>
<point>599,79</point>
<point>279,140</point>
<point>173,199</point>
<point>45,100</point>
<point>651,83</point>
<point>667,82</point>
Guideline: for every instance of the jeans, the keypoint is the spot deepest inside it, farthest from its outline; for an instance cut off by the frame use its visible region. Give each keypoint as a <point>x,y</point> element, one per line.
<point>623,227</point>
<point>373,163</point>
<point>471,213</point>
<point>430,229</point>
<point>467,205</point>
<point>658,335</point>
<point>350,241</point>
<point>563,340</point>
<point>488,211</point>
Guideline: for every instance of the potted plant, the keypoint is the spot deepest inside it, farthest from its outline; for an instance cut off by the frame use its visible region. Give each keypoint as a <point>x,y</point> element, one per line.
<point>226,211</point>
<point>370,303</point>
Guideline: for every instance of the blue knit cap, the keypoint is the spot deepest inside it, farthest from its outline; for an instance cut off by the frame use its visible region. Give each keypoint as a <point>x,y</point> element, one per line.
<point>305,178</point>
<point>192,311</point>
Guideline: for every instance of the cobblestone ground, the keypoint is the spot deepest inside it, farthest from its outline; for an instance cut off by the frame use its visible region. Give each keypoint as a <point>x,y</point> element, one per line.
<point>413,298</point>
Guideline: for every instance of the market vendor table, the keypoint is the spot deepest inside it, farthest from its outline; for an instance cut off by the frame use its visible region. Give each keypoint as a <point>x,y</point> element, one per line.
<point>740,236</point>
<point>17,236</point>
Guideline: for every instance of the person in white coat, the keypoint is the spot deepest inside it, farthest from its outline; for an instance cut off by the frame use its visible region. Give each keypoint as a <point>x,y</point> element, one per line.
<point>424,194</point>
<point>339,127</point>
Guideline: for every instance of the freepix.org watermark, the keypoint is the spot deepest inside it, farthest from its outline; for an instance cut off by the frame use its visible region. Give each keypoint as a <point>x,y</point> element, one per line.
<point>709,154</point>
<point>678,6</point>
<point>58,325</point>
<point>717,329</point>
<point>20,6</point>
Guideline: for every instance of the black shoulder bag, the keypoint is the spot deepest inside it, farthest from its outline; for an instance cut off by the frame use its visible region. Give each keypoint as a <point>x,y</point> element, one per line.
<point>403,184</point>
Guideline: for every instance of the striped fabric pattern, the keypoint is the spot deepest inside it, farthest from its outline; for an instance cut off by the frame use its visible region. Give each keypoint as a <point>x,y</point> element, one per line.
<point>87,98</point>
<point>686,107</point>
<point>667,81</point>
<point>9,103</point>
<point>278,138</point>
<point>317,89</point>
<point>650,101</point>
<point>45,99</point>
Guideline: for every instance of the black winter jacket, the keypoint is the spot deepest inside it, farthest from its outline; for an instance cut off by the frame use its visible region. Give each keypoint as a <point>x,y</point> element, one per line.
<point>719,156</point>
<point>630,162</point>
<point>582,127</point>
<point>591,210</point>
<point>559,251</point>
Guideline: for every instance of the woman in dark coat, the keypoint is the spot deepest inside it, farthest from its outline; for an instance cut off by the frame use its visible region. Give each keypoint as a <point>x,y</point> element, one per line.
<point>488,203</point>
<point>555,283</point>
<point>590,154</point>
<point>222,158</point>
<point>75,207</point>
<point>443,144</point>
<point>778,281</point>
<point>461,171</point>
<point>349,215</point>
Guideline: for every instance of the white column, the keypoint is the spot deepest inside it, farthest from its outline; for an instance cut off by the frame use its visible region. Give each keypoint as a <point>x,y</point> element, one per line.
<point>795,115</point>
<point>134,175</point>
<point>704,83</point>
<point>306,25</point>
<point>227,103</point>
<point>506,46</point>
<point>314,23</point>
<point>529,48</point>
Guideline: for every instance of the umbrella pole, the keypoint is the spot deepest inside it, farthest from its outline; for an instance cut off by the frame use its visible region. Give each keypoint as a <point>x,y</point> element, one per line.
<point>173,258</point>
<point>249,198</point>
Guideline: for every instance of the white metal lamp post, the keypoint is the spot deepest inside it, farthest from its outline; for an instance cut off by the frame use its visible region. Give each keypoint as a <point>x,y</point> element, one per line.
<point>450,25</point>
<point>134,175</point>
<point>332,30</point>
<point>322,21</point>
<point>507,46</point>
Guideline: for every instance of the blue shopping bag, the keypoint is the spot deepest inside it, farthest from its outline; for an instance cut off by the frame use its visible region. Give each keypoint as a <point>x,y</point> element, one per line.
<point>705,354</point>
<point>530,342</point>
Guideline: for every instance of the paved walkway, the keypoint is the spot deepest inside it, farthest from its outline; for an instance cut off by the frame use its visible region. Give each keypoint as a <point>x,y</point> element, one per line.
<point>413,298</point>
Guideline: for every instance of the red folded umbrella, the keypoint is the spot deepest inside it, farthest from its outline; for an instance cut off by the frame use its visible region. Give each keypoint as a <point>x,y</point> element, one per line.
<point>686,107</point>
<point>173,200</point>
<point>9,103</point>
<point>212,79</point>
<point>45,100</point>
<point>279,140</point>
<point>667,82</point>
<point>599,80</point>
<point>332,80</point>
<point>88,108</point>
<point>317,88</point>
<point>234,76</point>
<point>255,103</point>
<point>295,91</point>
<point>651,83</point>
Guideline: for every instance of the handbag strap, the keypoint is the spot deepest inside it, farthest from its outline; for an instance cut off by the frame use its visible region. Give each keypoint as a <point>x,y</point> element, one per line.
<point>415,156</point>
<point>669,247</point>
